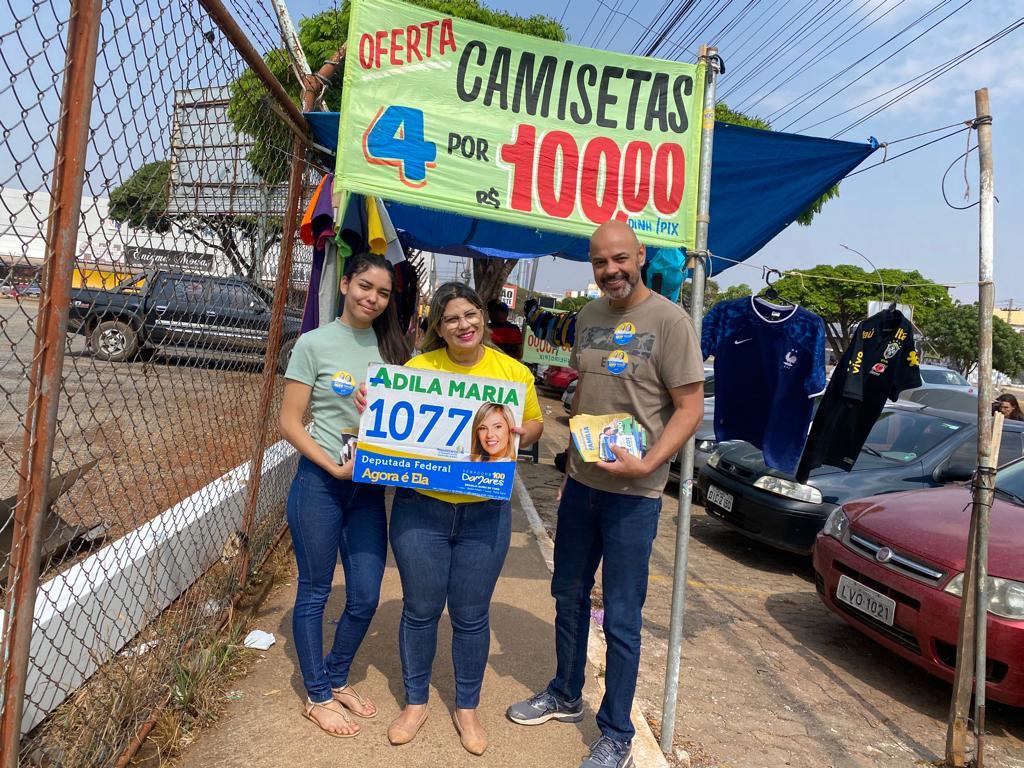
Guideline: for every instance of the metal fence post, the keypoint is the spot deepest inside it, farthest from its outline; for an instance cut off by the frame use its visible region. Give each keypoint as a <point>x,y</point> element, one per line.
<point>270,361</point>
<point>47,363</point>
<point>675,636</point>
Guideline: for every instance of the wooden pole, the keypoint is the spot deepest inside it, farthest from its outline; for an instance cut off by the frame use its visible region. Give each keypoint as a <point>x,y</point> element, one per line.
<point>985,485</point>
<point>973,616</point>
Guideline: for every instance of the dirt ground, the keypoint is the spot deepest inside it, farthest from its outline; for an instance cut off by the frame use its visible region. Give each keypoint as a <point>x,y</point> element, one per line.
<point>159,430</point>
<point>769,676</point>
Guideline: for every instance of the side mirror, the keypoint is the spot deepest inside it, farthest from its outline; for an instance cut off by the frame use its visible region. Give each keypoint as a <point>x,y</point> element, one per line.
<point>955,472</point>
<point>258,307</point>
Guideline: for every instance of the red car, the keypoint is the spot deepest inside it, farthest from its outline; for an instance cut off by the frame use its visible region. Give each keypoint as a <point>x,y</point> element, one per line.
<point>892,567</point>
<point>558,377</point>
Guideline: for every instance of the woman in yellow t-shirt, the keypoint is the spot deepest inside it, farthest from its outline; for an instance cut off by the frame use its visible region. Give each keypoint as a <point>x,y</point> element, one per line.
<point>450,547</point>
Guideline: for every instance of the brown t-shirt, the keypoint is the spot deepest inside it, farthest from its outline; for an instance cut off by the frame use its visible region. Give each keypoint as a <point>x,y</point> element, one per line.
<point>628,361</point>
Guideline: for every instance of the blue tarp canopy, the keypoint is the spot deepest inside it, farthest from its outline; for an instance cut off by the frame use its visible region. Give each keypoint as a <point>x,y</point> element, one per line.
<point>760,182</point>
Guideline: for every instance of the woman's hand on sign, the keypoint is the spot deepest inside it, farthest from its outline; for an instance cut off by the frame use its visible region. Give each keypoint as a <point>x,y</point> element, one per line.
<point>344,471</point>
<point>360,397</point>
<point>626,465</point>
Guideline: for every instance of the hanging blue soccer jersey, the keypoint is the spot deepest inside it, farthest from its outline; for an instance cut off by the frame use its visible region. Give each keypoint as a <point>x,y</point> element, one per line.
<point>769,363</point>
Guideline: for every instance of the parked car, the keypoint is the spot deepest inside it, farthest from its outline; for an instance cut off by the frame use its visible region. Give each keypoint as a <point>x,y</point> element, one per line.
<point>892,568</point>
<point>569,394</point>
<point>909,447</point>
<point>173,311</point>
<point>560,377</point>
<point>705,442</point>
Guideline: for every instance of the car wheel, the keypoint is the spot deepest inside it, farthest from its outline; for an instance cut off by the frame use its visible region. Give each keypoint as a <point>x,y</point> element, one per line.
<point>114,340</point>
<point>285,355</point>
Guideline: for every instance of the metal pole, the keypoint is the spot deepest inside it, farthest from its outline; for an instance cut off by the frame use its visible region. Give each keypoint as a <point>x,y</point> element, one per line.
<point>986,452</point>
<point>46,371</point>
<point>223,19</point>
<point>270,360</point>
<point>709,57</point>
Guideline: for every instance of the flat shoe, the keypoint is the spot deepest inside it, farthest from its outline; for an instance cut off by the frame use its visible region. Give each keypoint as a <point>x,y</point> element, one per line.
<point>474,744</point>
<point>398,735</point>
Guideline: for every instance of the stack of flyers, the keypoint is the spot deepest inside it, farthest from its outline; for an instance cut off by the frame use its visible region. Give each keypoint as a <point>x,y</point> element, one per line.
<point>593,436</point>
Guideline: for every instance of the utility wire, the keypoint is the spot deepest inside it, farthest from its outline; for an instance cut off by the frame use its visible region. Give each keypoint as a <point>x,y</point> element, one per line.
<point>907,152</point>
<point>937,72</point>
<point>787,24</point>
<point>797,36</point>
<point>864,74</point>
<point>635,20</point>
<point>787,76</point>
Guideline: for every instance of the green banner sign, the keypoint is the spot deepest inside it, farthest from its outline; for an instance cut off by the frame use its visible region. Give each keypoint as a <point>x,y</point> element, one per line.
<point>458,116</point>
<point>536,350</point>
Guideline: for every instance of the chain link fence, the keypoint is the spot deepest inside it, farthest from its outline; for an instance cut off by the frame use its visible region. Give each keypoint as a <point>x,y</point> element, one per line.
<point>185,297</point>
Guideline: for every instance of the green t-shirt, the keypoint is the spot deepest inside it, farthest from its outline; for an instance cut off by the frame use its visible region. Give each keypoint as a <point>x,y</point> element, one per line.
<point>333,360</point>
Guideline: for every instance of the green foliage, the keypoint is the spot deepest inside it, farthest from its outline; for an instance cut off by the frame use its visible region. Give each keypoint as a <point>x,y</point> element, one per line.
<point>572,303</point>
<point>842,304</point>
<point>142,200</point>
<point>714,294</point>
<point>726,115</point>
<point>953,332</point>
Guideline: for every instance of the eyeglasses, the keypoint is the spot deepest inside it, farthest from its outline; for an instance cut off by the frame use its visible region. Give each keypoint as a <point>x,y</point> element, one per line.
<point>452,321</point>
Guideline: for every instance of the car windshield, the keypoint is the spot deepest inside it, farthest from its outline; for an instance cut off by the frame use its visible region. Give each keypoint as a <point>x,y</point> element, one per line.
<point>1010,480</point>
<point>943,376</point>
<point>904,436</point>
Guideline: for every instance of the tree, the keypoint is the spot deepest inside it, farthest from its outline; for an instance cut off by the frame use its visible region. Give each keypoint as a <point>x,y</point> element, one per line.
<point>840,294</point>
<point>572,303</point>
<point>953,332</point>
<point>141,202</point>
<point>726,115</point>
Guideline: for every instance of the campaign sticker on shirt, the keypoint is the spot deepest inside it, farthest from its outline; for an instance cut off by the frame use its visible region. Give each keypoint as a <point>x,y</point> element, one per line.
<point>624,333</point>
<point>343,383</point>
<point>617,361</point>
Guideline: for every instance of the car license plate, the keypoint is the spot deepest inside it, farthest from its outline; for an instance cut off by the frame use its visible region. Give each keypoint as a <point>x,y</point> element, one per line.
<point>720,498</point>
<point>865,600</point>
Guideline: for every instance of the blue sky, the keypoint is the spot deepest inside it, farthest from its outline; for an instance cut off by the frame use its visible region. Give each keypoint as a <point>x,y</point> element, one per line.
<point>895,214</point>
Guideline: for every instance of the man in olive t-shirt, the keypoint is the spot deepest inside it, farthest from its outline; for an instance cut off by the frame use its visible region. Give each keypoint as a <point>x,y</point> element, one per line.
<point>637,353</point>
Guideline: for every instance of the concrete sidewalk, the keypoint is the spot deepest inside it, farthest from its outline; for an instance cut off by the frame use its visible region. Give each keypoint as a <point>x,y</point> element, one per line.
<point>265,726</point>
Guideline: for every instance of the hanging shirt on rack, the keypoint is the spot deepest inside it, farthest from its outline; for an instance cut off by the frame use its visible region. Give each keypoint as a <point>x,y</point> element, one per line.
<point>769,363</point>
<point>880,363</point>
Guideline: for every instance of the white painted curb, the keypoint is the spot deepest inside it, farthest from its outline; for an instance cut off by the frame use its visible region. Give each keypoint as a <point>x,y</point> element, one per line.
<point>88,613</point>
<point>646,750</point>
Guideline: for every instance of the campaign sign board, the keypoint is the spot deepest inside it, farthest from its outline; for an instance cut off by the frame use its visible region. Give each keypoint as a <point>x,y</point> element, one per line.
<point>537,350</point>
<point>437,431</point>
<point>458,116</point>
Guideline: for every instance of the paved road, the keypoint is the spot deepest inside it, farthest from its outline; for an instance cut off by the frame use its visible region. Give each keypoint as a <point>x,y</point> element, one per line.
<point>769,676</point>
<point>160,430</point>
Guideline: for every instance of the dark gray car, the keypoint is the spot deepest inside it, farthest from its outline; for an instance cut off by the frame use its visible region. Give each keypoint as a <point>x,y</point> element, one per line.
<point>910,446</point>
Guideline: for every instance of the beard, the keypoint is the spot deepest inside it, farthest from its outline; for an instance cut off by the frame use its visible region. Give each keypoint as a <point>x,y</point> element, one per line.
<point>623,289</point>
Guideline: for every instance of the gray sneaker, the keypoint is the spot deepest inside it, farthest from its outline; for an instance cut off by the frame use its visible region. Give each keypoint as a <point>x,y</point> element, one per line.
<point>606,752</point>
<point>543,707</point>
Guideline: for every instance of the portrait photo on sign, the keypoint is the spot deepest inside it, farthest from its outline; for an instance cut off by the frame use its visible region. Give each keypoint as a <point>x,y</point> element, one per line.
<point>493,438</point>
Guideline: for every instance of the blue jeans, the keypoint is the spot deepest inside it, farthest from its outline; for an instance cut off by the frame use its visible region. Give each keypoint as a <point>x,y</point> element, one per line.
<point>327,516</point>
<point>447,553</point>
<point>620,528</point>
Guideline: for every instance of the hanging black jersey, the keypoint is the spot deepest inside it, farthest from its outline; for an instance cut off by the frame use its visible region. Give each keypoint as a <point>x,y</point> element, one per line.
<point>769,363</point>
<point>880,363</point>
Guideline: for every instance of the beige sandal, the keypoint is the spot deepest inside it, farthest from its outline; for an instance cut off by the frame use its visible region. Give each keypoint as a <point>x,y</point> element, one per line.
<point>308,713</point>
<point>348,690</point>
